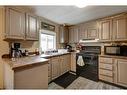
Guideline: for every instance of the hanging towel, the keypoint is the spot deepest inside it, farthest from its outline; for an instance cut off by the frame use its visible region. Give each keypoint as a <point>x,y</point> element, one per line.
<point>80,61</point>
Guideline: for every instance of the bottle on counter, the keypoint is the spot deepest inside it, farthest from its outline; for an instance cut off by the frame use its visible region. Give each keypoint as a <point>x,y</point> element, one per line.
<point>26,52</point>
<point>37,51</point>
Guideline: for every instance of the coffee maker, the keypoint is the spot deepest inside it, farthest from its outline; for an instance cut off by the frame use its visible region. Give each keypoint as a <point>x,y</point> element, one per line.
<point>15,50</point>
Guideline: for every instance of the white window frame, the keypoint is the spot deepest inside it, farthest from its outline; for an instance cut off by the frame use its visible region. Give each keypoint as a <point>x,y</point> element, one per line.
<point>48,33</point>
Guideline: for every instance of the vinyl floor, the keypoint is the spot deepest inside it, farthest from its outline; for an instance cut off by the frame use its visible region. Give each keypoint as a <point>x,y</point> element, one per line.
<point>83,83</point>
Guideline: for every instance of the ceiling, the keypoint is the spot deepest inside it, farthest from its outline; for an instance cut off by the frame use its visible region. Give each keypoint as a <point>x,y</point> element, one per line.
<point>73,15</point>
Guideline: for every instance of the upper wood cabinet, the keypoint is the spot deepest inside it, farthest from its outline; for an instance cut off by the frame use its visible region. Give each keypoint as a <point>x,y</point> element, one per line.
<point>15,24</point>
<point>120,72</point>
<point>81,32</point>
<point>73,34</point>
<point>32,27</point>
<point>88,30</point>
<point>120,28</point>
<point>63,34</point>
<point>105,29</point>
<point>92,30</point>
<point>92,33</point>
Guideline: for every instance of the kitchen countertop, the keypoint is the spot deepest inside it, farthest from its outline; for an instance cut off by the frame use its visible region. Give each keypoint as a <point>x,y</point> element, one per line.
<point>30,60</point>
<point>25,61</point>
<point>114,56</point>
<point>53,55</point>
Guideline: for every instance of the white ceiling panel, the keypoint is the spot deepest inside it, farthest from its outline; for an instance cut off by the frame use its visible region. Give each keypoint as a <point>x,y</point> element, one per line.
<point>73,15</point>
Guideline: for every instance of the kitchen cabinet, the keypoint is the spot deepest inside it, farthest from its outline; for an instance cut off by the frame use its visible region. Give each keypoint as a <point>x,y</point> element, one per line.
<point>82,34</point>
<point>71,37</point>
<point>113,69</point>
<point>49,71</point>
<point>59,65</point>
<point>64,35</point>
<point>32,27</point>
<point>73,62</point>
<point>62,65</point>
<point>120,28</point>
<point>91,30</point>
<point>120,72</point>
<point>55,67</point>
<point>105,29</point>
<point>73,34</point>
<point>15,24</point>
<point>92,33</point>
<point>106,69</point>
<point>66,62</point>
<point>88,30</point>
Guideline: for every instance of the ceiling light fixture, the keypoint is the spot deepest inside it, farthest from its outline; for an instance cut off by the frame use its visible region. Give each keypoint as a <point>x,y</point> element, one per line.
<point>80,5</point>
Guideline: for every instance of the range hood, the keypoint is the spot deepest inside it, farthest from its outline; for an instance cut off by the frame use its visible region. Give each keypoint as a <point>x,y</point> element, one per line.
<point>89,41</point>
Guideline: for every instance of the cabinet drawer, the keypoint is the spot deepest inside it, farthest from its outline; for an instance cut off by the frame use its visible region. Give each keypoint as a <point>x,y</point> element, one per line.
<point>105,72</point>
<point>105,60</point>
<point>106,78</point>
<point>105,66</point>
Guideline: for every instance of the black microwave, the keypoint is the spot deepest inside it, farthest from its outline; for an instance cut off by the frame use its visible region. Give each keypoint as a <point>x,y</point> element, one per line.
<point>115,50</point>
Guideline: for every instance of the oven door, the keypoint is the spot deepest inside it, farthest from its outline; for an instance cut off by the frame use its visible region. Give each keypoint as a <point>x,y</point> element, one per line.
<point>90,69</point>
<point>91,64</point>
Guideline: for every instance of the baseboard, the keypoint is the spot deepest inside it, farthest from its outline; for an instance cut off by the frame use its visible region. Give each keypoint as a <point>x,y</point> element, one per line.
<point>73,72</point>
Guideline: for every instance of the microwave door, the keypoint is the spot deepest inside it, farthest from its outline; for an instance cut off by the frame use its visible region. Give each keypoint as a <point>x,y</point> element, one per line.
<point>112,50</point>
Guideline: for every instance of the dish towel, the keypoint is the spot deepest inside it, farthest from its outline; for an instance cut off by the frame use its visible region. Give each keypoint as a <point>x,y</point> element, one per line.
<point>80,61</point>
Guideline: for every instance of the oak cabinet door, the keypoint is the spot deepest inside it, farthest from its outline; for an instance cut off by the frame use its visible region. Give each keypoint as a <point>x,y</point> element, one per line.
<point>105,29</point>
<point>32,27</point>
<point>55,67</point>
<point>81,33</point>
<point>67,62</point>
<point>120,72</point>
<point>120,28</point>
<point>92,33</point>
<point>76,30</point>
<point>15,24</point>
<point>71,35</point>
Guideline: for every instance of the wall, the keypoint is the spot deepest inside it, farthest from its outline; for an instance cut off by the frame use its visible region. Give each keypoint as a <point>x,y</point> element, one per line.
<point>4,47</point>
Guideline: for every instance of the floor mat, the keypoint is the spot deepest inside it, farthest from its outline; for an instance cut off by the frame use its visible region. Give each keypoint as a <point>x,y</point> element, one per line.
<point>65,80</point>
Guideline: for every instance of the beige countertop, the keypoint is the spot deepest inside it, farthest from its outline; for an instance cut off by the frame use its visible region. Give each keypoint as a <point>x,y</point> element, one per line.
<point>25,61</point>
<point>113,56</point>
<point>30,60</point>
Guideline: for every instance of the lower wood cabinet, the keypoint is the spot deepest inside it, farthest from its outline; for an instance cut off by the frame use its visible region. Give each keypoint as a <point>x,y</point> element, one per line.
<point>113,70</point>
<point>106,69</point>
<point>120,72</point>
<point>59,65</point>
<point>55,67</point>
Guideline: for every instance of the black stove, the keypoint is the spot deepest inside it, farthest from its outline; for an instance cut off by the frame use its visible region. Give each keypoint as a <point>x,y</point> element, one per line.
<point>90,58</point>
